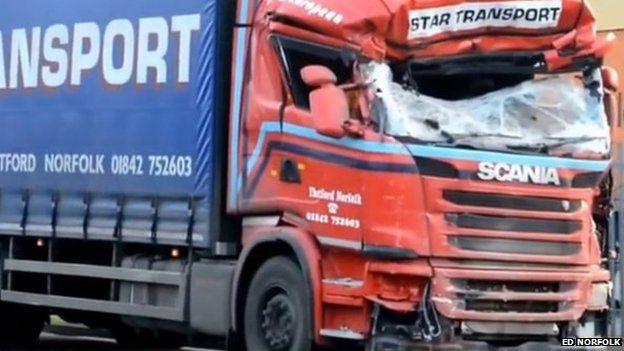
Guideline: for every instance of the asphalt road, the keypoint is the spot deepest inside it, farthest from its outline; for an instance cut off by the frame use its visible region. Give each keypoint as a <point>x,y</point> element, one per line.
<point>62,336</point>
<point>56,342</point>
<point>50,341</point>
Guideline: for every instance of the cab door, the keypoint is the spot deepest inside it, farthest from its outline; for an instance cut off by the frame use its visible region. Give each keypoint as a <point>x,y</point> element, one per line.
<point>318,165</point>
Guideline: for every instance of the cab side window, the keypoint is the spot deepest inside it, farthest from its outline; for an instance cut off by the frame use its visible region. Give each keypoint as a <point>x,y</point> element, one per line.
<point>296,54</point>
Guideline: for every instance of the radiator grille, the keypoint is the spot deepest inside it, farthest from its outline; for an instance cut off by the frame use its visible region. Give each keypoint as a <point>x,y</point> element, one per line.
<point>526,247</point>
<point>526,203</point>
<point>511,306</point>
<point>515,224</point>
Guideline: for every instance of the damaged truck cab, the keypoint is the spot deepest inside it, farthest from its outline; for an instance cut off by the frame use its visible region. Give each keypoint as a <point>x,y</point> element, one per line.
<point>434,166</point>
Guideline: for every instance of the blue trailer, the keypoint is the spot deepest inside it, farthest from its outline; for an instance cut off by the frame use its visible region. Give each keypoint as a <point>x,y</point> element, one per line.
<point>109,117</point>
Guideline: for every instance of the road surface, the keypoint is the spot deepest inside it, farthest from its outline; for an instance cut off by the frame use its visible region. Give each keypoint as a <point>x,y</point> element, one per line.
<point>63,336</point>
<point>50,341</point>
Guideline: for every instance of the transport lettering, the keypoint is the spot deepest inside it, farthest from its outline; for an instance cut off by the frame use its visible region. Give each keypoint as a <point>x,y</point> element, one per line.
<point>124,51</point>
<point>537,14</point>
<point>504,172</point>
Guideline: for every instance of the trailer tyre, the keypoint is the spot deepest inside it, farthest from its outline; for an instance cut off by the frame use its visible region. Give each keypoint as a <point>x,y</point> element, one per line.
<point>277,309</point>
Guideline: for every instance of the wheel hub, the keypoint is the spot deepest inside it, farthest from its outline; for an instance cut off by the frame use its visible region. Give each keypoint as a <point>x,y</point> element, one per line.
<point>277,322</point>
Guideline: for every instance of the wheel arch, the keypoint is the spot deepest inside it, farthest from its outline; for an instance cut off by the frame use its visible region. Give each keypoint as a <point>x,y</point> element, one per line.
<point>271,242</point>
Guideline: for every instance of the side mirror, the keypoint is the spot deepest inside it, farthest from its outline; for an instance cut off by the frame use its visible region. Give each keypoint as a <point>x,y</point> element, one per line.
<point>610,78</point>
<point>317,76</point>
<point>328,103</point>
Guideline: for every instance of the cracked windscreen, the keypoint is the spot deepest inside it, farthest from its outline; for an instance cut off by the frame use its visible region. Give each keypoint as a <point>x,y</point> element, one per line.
<point>555,114</point>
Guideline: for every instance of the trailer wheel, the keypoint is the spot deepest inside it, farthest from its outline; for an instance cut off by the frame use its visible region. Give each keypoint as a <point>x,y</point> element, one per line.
<point>277,309</point>
<point>20,325</point>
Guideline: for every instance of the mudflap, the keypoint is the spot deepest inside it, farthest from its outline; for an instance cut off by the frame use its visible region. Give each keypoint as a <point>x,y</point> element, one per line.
<point>389,343</point>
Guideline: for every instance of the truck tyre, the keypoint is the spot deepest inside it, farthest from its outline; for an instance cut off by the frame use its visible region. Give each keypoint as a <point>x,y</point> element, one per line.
<point>277,309</point>
<point>21,325</point>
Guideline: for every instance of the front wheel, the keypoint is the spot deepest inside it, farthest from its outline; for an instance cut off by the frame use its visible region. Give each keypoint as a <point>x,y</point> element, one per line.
<point>277,309</point>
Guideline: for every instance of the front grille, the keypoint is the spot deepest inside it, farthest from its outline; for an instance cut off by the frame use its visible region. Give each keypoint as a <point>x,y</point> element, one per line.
<point>524,203</point>
<point>502,223</point>
<point>511,306</point>
<point>515,224</point>
<point>525,247</point>
<point>502,226</point>
<point>511,286</point>
<point>587,180</point>
<point>477,295</point>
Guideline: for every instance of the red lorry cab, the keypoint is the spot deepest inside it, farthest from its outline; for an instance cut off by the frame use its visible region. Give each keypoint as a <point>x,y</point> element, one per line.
<point>444,157</point>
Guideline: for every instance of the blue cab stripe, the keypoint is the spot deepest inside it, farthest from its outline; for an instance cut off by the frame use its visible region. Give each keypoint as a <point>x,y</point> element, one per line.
<point>501,157</point>
<point>423,151</point>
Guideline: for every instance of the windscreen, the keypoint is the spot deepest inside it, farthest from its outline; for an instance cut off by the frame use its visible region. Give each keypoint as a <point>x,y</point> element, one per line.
<point>555,114</point>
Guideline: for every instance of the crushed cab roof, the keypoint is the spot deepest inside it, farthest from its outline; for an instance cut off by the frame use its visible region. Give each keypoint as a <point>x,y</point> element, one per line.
<point>562,29</point>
